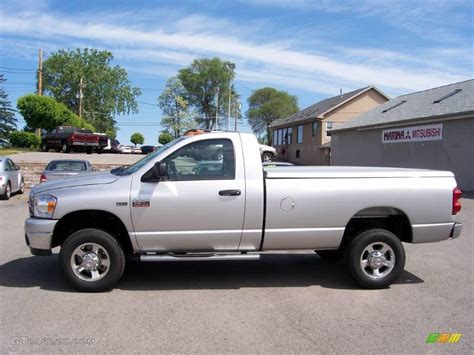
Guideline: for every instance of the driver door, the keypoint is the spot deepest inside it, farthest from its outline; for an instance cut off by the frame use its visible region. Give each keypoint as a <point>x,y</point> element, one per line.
<point>200,207</point>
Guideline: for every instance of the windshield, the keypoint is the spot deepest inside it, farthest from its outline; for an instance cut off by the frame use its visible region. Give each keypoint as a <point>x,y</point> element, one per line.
<point>132,168</point>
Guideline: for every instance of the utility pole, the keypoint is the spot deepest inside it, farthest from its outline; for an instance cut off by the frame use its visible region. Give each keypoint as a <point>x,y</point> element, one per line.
<point>40,81</point>
<point>230,67</point>
<point>40,72</point>
<point>80,98</point>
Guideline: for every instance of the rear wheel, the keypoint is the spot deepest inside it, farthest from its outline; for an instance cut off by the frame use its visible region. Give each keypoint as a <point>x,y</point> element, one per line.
<point>65,148</point>
<point>44,147</point>
<point>91,260</point>
<point>7,193</point>
<point>375,258</point>
<point>89,150</point>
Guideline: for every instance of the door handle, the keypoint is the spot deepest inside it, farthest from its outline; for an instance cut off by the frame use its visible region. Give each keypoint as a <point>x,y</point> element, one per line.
<point>229,193</point>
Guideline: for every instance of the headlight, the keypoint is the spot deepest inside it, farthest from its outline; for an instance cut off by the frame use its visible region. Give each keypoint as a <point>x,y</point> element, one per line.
<point>44,206</point>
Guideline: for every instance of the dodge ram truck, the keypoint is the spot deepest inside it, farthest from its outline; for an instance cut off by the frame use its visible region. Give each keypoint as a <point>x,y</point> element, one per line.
<point>174,205</point>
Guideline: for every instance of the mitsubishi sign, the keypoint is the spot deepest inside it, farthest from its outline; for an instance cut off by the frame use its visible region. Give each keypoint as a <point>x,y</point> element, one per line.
<point>433,132</point>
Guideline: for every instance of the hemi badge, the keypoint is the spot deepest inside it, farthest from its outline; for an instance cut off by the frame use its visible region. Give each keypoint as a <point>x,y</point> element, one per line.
<point>119,204</point>
<point>141,203</point>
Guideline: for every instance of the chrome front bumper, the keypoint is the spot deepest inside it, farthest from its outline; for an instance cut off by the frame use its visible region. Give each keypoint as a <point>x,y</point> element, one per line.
<point>38,234</point>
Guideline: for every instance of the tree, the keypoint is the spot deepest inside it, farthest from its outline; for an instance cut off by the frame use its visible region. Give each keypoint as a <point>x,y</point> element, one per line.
<point>165,137</point>
<point>137,138</point>
<point>45,112</point>
<point>203,80</point>
<point>267,105</point>
<point>7,113</point>
<point>175,107</point>
<point>106,89</point>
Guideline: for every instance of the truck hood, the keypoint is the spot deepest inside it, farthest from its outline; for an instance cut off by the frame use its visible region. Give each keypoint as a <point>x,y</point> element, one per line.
<point>95,178</point>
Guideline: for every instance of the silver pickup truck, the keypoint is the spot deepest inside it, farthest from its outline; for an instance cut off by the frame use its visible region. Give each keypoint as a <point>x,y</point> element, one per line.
<point>177,204</point>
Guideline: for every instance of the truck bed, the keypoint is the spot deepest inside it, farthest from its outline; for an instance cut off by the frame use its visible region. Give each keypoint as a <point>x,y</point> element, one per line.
<point>310,172</point>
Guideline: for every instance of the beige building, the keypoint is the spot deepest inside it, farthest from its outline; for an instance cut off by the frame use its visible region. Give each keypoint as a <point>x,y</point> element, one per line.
<point>429,129</point>
<point>302,138</point>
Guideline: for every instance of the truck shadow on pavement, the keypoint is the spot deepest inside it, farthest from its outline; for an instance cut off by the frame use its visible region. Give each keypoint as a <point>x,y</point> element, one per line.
<point>272,270</point>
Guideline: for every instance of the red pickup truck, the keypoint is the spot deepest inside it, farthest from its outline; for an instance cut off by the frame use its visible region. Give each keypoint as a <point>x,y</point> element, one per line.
<point>67,139</point>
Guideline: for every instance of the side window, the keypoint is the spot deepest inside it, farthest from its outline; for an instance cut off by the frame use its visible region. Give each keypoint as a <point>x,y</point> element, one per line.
<point>211,159</point>
<point>8,166</point>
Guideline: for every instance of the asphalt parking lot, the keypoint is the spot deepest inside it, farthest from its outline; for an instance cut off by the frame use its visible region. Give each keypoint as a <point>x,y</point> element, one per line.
<point>46,157</point>
<point>282,303</point>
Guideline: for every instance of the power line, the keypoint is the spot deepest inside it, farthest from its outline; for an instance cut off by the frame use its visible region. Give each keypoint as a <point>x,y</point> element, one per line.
<point>18,69</point>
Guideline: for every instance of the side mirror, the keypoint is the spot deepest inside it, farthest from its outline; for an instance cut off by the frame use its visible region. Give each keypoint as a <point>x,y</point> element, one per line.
<point>160,170</point>
<point>17,167</point>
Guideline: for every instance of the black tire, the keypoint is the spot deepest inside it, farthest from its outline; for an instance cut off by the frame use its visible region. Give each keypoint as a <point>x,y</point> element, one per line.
<point>44,147</point>
<point>65,148</point>
<point>114,254</point>
<point>22,186</point>
<point>7,193</point>
<point>375,239</point>
<point>330,255</point>
<point>267,157</point>
<point>89,150</point>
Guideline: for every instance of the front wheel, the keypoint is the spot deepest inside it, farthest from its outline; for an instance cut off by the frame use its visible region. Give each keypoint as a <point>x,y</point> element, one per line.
<point>65,148</point>
<point>267,157</point>
<point>91,260</point>
<point>375,258</point>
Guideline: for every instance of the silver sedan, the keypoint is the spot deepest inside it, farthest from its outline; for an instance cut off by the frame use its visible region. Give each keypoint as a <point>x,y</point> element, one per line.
<point>57,169</point>
<point>11,179</point>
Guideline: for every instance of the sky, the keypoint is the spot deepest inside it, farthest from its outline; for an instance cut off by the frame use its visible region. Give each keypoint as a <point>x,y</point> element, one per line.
<point>310,48</point>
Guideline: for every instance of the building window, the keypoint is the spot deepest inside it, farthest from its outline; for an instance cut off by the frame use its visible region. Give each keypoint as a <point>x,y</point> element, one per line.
<point>314,128</point>
<point>299,135</point>
<point>279,140</point>
<point>285,136</point>
<point>328,127</point>
<point>290,135</point>
<point>274,140</point>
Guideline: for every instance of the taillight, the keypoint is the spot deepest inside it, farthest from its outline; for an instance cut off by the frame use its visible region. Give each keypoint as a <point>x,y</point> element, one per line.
<point>43,178</point>
<point>456,203</point>
<point>73,137</point>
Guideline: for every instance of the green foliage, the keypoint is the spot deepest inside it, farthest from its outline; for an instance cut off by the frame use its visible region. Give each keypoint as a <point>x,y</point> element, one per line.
<point>165,137</point>
<point>7,113</point>
<point>107,91</point>
<point>137,138</point>
<point>22,139</point>
<point>175,108</point>
<point>203,79</point>
<point>267,105</point>
<point>45,112</point>
<point>111,133</point>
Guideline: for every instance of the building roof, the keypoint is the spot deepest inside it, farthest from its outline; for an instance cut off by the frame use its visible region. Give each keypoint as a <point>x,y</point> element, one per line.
<point>453,99</point>
<point>320,108</point>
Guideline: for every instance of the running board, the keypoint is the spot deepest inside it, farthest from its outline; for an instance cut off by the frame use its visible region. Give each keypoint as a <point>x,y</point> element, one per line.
<point>199,257</point>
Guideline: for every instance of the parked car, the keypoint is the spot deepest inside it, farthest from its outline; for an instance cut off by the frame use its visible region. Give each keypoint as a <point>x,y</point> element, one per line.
<point>113,146</point>
<point>11,179</point>
<point>4,143</point>
<point>68,139</point>
<point>161,209</point>
<point>57,169</point>
<point>267,153</point>
<point>136,150</point>
<point>125,149</point>
<point>147,149</point>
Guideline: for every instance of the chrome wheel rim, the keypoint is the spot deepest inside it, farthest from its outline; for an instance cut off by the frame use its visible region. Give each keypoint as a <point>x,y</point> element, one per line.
<point>8,191</point>
<point>377,260</point>
<point>90,262</point>
<point>22,185</point>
